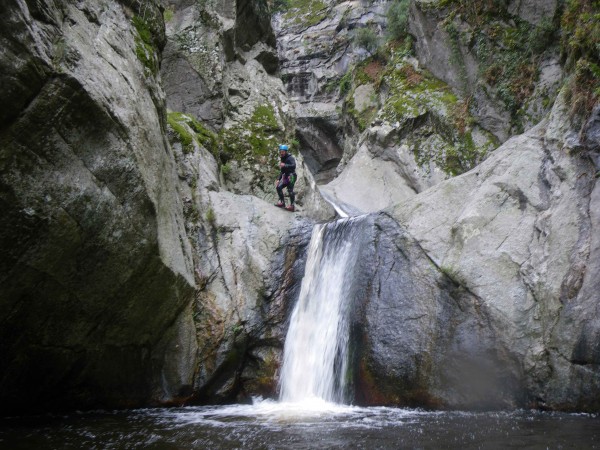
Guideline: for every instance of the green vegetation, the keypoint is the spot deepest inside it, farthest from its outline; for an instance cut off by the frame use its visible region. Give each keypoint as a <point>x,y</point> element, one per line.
<point>189,129</point>
<point>580,48</point>
<point>211,218</point>
<point>277,6</point>
<point>225,170</point>
<point>250,144</point>
<point>367,38</point>
<point>168,14</point>
<point>397,16</point>
<point>509,50</point>
<point>253,143</point>
<point>437,126</point>
<point>144,45</point>
<point>305,13</point>
<point>256,137</point>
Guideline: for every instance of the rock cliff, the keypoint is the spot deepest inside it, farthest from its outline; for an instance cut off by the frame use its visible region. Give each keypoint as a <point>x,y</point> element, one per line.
<point>143,264</point>
<point>482,291</point>
<point>137,269</point>
<point>96,265</point>
<point>470,285</point>
<point>225,138</point>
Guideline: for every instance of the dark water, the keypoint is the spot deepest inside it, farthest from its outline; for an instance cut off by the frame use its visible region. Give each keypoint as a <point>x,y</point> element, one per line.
<point>275,426</point>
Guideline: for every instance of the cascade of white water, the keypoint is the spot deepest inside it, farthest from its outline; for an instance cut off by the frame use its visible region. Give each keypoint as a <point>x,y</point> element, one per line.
<point>315,352</point>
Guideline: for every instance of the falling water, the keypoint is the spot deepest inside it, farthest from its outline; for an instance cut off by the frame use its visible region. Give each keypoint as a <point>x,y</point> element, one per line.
<point>316,345</point>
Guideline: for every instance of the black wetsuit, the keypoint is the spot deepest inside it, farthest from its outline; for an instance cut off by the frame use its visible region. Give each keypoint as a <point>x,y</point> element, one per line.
<point>287,178</point>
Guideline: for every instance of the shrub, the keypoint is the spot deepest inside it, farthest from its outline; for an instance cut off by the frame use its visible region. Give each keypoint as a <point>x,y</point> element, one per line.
<point>367,38</point>
<point>397,17</point>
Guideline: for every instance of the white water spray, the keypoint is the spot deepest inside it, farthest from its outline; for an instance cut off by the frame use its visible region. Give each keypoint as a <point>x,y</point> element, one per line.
<point>315,353</point>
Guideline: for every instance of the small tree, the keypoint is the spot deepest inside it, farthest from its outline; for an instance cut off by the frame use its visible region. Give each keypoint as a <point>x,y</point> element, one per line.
<point>397,16</point>
<point>367,38</point>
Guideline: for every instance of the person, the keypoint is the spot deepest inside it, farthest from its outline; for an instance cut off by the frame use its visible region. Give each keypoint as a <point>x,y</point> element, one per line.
<point>287,178</point>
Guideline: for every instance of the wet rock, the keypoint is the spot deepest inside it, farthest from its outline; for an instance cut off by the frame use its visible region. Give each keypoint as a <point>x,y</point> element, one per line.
<point>419,337</point>
<point>516,232</point>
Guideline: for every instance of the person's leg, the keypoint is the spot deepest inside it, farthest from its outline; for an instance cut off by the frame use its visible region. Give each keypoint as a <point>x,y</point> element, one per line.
<point>280,186</point>
<point>291,188</point>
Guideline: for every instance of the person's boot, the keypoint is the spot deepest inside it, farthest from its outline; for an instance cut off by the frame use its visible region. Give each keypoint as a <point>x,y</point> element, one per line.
<point>280,204</point>
<point>290,208</point>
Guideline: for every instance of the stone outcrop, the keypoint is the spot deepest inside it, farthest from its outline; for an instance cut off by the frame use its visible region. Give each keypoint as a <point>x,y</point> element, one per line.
<point>242,245</point>
<point>137,270</point>
<point>482,291</point>
<point>316,49</point>
<point>96,268</point>
<point>362,116</point>
<point>224,54</point>
<point>494,57</point>
<point>417,133</point>
<point>203,41</point>
<point>144,264</point>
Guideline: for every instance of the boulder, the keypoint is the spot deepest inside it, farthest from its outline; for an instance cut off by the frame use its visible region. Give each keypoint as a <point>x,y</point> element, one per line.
<point>419,337</point>
<point>516,233</point>
<point>96,263</point>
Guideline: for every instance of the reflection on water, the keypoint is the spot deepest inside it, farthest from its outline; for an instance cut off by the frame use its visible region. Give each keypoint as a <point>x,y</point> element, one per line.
<point>316,424</point>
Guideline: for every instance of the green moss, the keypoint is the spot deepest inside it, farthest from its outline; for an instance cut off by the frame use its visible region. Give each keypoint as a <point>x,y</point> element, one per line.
<point>397,16</point>
<point>144,45</point>
<point>185,136</point>
<point>211,217</point>
<point>256,137</point>
<point>189,129</point>
<point>444,137</point>
<point>168,14</point>
<point>413,92</point>
<point>143,29</point>
<point>225,170</point>
<point>306,13</point>
<point>508,48</point>
<point>580,47</point>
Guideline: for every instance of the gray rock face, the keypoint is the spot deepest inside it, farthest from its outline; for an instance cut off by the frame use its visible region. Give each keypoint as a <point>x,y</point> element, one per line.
<point>482,291</point>
<point>460,53</point>
<point>315,49</point>
<point>204,42</point>
<point>242,246</point>
<point>533,11</point>
<point>96,265</point>
<point>419,337</point>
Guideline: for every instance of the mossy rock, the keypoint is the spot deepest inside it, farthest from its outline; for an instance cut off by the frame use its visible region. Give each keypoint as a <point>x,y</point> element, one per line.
<point>190,130</point>
<point>255,138</point>
<point>436,124</point>
<point>306,13</point>
<point>145,47</point>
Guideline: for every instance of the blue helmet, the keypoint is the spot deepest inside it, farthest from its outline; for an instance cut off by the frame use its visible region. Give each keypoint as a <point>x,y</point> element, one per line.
<point>283,148</point>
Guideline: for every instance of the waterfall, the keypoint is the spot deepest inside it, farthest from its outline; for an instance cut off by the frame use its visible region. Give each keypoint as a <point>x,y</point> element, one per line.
<point>315,359</point>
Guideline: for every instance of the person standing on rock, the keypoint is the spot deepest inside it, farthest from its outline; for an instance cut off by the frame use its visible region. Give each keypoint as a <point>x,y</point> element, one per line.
<point>287,178</point>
